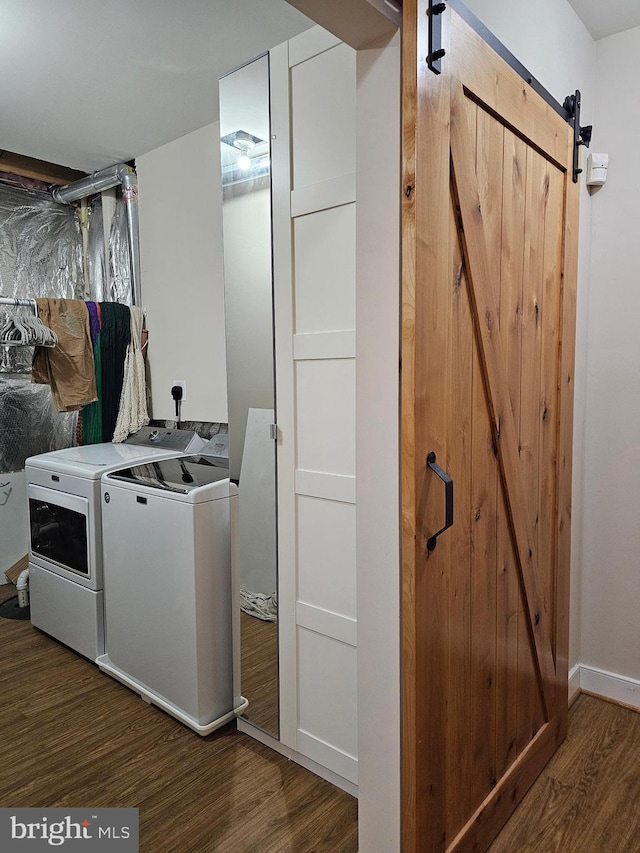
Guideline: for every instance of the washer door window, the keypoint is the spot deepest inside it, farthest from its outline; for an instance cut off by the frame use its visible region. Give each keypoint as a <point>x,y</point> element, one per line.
<point>60,529</point>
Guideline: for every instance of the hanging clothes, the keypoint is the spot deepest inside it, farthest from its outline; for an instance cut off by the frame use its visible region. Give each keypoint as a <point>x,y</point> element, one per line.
<point>133,412</point>
<point>114,340</point>
<point>92,414</point>
<point>68,367</point>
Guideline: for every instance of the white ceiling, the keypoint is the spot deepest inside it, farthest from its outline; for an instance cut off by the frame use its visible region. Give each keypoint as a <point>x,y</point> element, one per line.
<point>606,17</point>
<point>88,83</point>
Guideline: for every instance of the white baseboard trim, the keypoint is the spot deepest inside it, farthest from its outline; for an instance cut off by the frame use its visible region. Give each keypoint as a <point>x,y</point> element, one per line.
<point>609,685</point>
<point>302,760</point>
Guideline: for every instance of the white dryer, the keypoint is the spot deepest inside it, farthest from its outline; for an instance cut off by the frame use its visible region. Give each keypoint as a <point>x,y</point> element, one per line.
<point>167,572</point>
<point>65,547</point>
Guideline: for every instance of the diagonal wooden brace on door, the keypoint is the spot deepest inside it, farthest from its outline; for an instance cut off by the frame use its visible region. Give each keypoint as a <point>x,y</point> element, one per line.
<point>491,353</point>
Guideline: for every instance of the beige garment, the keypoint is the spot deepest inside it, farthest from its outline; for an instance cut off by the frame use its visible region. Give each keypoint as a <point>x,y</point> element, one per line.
<point>68,367</point>
<point>133,414</point>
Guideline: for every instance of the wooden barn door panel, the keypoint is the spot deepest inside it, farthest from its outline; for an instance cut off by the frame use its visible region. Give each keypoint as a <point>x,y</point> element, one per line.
<point>488,315</point>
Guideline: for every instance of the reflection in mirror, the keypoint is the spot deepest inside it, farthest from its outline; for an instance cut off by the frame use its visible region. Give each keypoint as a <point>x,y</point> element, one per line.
<point>246,218</point>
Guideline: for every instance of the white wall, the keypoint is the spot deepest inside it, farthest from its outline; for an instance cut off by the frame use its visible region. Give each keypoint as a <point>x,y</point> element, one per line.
<point>611,530</point>
<point>182,273</point>
<point>377,445</point>
<point>555,46</point>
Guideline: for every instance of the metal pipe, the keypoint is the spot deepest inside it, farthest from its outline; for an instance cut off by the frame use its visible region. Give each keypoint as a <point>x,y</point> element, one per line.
<point>105,179</point>
<point>9,300</point>
<point>130,197</point>
<point>95,183</point>
<point>84,219</point>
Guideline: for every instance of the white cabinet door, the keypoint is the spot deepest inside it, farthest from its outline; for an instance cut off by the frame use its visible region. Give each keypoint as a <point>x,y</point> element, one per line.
<point>314,110</point>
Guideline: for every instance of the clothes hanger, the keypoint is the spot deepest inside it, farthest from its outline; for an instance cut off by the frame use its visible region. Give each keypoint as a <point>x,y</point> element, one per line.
<point>27,330</point>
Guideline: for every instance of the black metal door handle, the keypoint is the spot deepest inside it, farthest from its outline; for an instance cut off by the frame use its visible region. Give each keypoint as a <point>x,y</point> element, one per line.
<point>448,498</point>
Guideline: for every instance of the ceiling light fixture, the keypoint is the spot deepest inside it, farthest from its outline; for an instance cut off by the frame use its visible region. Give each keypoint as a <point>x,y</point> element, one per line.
<point>244,161</point>
<point>244,142</point>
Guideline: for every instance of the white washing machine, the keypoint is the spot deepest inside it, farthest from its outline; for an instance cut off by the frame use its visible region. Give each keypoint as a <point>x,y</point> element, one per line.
<point>65,542</point>
<point>167,572</point>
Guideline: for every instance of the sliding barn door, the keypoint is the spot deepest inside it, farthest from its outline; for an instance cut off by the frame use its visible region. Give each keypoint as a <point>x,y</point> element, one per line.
<point>489,245</point>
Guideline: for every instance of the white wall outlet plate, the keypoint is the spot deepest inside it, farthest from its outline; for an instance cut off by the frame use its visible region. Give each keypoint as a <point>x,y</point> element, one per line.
<point>183,384</point>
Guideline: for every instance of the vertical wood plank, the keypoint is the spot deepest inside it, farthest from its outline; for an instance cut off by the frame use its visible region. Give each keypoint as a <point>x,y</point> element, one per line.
<point>508,596</point>
<point>548,405</point>
<point>536,201</point>
<point>529,713</point>
<point>407,428</point>
<point>424,383</point>
<point>461,345</point>
<point>433,310</point>
<point>489,156</point>
<point>481,731</point>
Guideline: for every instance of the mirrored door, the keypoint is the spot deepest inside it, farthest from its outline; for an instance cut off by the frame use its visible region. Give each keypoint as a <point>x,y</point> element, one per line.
<point>246,217</point>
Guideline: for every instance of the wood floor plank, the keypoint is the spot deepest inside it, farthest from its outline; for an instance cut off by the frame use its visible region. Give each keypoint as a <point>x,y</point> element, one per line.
<point>73,737</point>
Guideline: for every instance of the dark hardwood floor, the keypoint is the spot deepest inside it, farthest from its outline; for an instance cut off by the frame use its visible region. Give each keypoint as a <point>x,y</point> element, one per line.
<point>73,737</point>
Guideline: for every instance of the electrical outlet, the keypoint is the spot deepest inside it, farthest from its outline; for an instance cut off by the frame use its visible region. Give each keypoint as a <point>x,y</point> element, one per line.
<point>183,384</point>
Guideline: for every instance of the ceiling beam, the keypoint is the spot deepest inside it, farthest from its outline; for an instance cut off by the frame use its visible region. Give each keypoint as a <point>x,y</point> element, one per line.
<point>29,167</point>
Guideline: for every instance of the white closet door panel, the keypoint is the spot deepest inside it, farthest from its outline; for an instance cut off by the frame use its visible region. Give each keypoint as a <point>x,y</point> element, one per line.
<point>329,624</point>
<point>331,487</point>
<point>325,269</point>
<point>315,345</point>
<point>314,261</point>
<point>328,756</point>
<point>327,690</point>
<point>333,193</point>
<point>325,393</point>
<point>326,555</point>
<point>323,113</point>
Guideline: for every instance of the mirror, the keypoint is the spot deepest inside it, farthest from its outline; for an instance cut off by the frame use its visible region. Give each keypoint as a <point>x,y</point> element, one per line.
<point>246,220</point>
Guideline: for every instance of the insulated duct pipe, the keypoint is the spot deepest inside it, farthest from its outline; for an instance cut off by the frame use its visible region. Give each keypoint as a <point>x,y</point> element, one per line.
<point>22,585</point>
<point>105,179</point>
